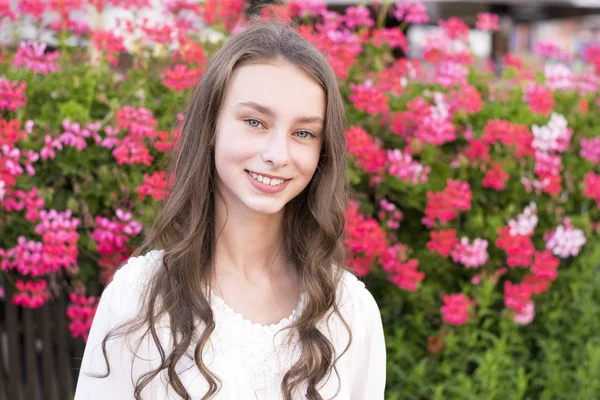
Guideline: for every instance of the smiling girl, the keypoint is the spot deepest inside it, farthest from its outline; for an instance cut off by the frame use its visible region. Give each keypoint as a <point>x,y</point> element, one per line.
<point>239,290</point>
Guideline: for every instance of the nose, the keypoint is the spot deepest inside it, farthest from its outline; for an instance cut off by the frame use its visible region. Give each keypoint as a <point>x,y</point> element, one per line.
<point>275,150</point>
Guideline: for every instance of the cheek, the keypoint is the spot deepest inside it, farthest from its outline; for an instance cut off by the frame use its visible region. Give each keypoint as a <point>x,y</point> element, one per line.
<point>231,148</point>
<point>308,161</point>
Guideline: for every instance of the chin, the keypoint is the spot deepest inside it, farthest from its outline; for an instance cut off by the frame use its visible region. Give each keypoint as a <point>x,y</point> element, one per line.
<point>275,207</point>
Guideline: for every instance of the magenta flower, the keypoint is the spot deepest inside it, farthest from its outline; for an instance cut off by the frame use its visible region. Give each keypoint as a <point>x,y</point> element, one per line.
<point>358,16</point>
<point>30,55</point>
<point>412,12</point>
<point>455,310</point>
<point>12,95</point>
<point>488,22</point>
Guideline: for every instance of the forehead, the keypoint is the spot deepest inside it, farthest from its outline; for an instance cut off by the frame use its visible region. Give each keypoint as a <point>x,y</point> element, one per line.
<point>278,85</point>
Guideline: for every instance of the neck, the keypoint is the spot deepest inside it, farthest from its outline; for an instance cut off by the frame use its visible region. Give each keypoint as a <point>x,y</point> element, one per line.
<point>248,244</point>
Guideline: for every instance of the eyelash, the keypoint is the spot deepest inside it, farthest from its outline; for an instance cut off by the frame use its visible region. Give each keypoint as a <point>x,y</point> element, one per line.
<point>254,119</point>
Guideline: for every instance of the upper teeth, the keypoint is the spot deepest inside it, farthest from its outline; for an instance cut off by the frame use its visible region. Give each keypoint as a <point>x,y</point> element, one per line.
<point>265,180</point>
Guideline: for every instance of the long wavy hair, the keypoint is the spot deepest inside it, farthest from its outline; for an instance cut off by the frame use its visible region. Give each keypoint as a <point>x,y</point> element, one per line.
<point>185,225</point>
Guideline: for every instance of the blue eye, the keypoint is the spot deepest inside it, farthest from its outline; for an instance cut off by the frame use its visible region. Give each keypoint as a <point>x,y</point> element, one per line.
<point>308,134</point>
<point>250,122</point>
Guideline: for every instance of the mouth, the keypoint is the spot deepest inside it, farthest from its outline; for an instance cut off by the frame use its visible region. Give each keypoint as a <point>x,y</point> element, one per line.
<point>266,184</point>
<point>267,179</point>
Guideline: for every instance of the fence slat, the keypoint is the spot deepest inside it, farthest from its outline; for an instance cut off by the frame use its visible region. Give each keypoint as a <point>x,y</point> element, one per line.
<point>64,361</point>
<point>14,348</point>
<point>29,350</point>
<point>3,353</point>
<point>48,360</point>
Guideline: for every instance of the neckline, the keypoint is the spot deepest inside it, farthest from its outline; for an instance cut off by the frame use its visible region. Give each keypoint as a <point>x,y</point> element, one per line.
<point>230,312</point>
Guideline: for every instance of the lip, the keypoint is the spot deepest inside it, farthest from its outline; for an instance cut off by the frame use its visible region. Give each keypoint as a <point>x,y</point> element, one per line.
<point>268,176</point>
<point>267,188</point>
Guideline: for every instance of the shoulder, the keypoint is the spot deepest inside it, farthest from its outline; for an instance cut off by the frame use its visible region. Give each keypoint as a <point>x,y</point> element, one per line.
<point>137,270</point>
<point>121,297</point>
<point>357,305</point>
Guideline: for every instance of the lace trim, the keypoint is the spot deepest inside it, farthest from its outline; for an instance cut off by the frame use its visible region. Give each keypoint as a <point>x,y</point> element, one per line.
<point>239,319</point>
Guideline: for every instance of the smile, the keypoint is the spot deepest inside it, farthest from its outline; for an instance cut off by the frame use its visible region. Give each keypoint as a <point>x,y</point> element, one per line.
<point>266,184</point>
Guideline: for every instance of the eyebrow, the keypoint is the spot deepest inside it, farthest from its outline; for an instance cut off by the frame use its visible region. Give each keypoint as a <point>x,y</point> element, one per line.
<point>271,113</point>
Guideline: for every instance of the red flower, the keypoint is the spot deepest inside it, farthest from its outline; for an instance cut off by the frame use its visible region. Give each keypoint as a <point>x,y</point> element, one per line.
<point>180,77</point>
<point>442,241</point>
<point>519,248</point>
<point>366,149</point>
<point>495,178</point>
<point>365,240</point>
<point>545,265</point>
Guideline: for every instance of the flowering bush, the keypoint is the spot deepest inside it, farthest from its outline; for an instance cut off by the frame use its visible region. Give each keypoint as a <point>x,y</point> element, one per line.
<point>474,220</point>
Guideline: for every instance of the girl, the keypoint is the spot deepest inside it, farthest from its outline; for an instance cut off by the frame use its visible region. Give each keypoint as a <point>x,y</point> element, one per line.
<point>242,293</point>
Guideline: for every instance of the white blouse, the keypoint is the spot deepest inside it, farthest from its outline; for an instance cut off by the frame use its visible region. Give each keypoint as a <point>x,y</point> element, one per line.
<point>249,359</point>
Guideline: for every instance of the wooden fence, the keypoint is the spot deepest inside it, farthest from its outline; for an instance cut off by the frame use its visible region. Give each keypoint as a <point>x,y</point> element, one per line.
<point>38,357</point>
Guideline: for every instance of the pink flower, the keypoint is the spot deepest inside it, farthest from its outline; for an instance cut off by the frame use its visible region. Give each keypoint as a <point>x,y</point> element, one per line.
<point>30,294</point>
<point>454,28</point>
<point>180,77</point>
<point>470,255</point>
<point>450,73</point>
<point>139,122</point>
<point>12,95</point>
<point>495,177</point>
<point>547,164</point>
<point>526,315</point>
<point>401,271</point>
<point>34,8</point>
<point>455,310</point>
<point>303,8</point>
<point>31,56</point>
<point>130,151</point>
<point>517,296</point>
<point>443,241</point>
<point>391,36</point>
<point>108,41</point>
<point>5,11</point>
<point>592,187</point>
<point>81,312</point>
<point>559,77</point>
<point>466,99</point>
<point>358,16</point>
<point>525,222</point>
<point>341,47</point>
<point>154,185</point>
<point>488,22</point>
<point>366,97</point>
<point>445,205</point>
<point>50,144</point>
<point>587,82</point>
<point>519,248</point>
<point>539,99</point>
<point>549,49</point>
<point>364,239</point>
<point>590,149</point>
<point>370,156</point>
<point>412,12</point>
<point>555,136</point>
<point>565,240</point>
<point>401,165</point>
<point>545,265</point>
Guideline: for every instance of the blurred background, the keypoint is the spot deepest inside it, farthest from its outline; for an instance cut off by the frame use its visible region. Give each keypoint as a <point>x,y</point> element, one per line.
<point>572,24</point>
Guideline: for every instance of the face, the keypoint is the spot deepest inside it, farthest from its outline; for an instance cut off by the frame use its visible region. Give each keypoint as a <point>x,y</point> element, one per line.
<point>269,136</point>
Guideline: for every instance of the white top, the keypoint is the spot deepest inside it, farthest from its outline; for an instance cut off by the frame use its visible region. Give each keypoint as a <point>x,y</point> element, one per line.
<point>249,359</point>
